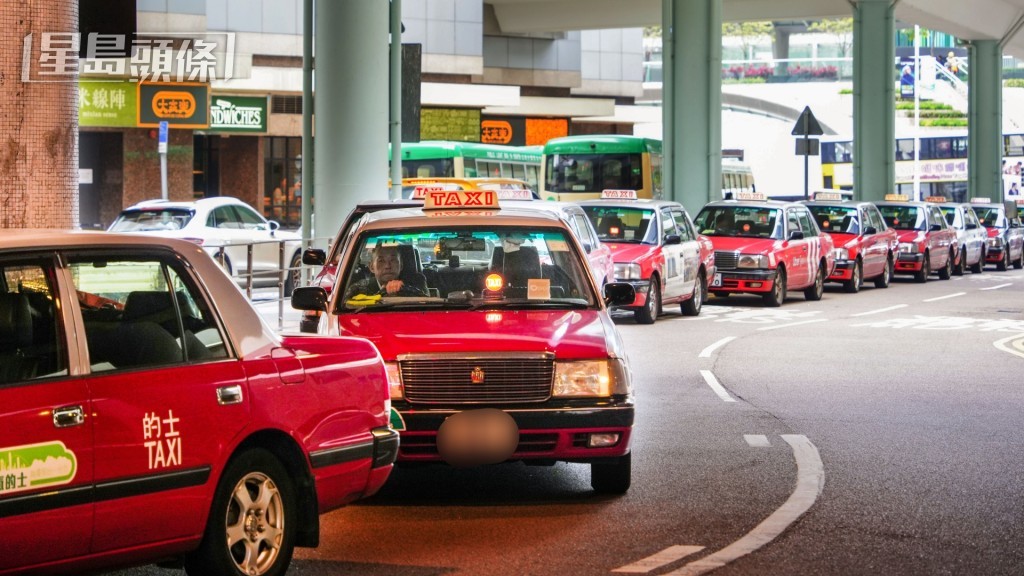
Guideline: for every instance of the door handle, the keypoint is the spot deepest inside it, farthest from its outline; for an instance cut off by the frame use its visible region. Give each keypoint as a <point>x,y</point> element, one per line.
<point>229,395</point>
<point>67,416</point>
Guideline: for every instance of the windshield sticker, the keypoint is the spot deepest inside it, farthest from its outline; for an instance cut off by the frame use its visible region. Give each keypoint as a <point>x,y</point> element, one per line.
<point>163,442</point>
<point>35,466</point>
<point>558,246</point>
<point>538,289</point>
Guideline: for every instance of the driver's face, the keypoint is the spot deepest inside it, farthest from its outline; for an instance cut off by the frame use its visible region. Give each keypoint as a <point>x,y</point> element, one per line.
<point>386,264</point>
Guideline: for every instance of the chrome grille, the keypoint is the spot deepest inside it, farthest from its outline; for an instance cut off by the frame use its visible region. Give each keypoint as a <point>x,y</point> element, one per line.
<point>448,380</point>
<point>726,260</point>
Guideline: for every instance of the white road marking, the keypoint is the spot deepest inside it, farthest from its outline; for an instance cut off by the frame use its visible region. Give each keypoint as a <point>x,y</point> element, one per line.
<point>663,558</point>
<point>810,479</point>
<point>757,440</point>
<point>954,295</point>
<point>706,353</point>
<point>718,388</point>
<point>997,287</point>
<point>879,311</point>
<point>791,324</point>
<point>1014,345</point>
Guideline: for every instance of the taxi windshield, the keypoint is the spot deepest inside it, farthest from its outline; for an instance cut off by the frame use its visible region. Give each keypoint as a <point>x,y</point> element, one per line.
<point>836,218</point>
<point>149,220</point>
<point>626,225</point>
<point>904,217</point>
<point>478,267</point>
<point>952,216</point>
<point>746,221</point>
<point>991,217</point>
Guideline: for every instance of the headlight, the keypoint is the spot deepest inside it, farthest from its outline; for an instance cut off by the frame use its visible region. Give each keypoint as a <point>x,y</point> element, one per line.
<point>995,242</point>
<point>590,378</point>
<point>752,261</point>
<point>394,380</point>
<point>841,254</point>
<point>627,271</point>
<point>909,248</point>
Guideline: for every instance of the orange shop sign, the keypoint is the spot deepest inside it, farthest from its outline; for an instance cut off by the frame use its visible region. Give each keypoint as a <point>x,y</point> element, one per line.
<point>180,104</point>
<point>495,132</point>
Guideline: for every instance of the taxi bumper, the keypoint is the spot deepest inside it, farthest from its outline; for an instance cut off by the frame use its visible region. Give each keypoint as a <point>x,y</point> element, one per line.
<point>994,255</point>
<point>843,271</point>
<point>557,432</point>
<point>749,281</point>
<point>908,263</point>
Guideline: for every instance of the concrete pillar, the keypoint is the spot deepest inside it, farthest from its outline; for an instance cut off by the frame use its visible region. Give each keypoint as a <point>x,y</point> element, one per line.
<point>874,125</point>
<point>38,115</point>
<point>351,120</point>
<point>985,120</point>
<point>694,126</point>
<point>780,50</point>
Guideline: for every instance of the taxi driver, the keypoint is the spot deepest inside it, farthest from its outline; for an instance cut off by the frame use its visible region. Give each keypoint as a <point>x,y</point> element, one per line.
<point>386,266</point>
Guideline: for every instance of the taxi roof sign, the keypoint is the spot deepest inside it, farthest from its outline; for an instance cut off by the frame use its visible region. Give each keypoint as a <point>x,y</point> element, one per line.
<point>514,194</point>
<point>981,200</point>
<point>937,199</point>
<point>421,190</point>
<point>828,196</point>
<point>897,197</point>
<point>610,194</point>
<point>460,199</point>
<point>754,196</point>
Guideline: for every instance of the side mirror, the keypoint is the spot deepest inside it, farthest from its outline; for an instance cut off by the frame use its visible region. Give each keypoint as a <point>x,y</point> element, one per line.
<point>673,239</point>
<point>314,257</point>
<point>619,294</point>
<point>312,298</point>
<point>870,230</point>
<point>934,228</point>
<point>796,235</point>
<point>274,225</point>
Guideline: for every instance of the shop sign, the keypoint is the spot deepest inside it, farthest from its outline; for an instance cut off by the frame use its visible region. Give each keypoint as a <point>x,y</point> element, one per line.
<point>238,114</point>
<point>181,104</point>
<point>106,103</point>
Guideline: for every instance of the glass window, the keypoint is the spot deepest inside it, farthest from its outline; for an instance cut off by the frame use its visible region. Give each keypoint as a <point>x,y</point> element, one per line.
<point>835,218</point>
<point>903,217</point>
<point>621,224</point>
<point>148,220</point>
<point>752,221</point>
<point>582,227</point>
<point>806,226</point>
<point>668,225</point>
<point>32,338</point>
<point>282,195</point>
<point>683,225</point>
<point>249,219</point>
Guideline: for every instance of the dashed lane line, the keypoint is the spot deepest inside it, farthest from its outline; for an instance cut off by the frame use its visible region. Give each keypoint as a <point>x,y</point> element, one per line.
<point>946,297</point>
<point>879,311</point>
<point>809,483</point>
<point>718,388</point>
<point>996,287</point>
<point>757,440</point>
<point>792,324</point>
<point>663,558</point>
<point>706,353</point>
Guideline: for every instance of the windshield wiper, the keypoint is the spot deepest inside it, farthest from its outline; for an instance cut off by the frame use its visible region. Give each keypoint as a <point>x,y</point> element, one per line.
<point>531,304</point>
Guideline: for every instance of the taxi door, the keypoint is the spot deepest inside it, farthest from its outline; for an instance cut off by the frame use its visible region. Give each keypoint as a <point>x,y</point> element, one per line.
<point>795,253</point>
<point>690,251</point>
<point>165,414</point>
<point>46,504</point>
<point>675,264</point>
<point>875,252</point>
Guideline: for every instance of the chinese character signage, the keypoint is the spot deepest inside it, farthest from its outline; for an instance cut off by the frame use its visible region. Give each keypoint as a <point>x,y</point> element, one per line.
<point>182,105</point>
<point>111,104</point>
<point>244,114</point>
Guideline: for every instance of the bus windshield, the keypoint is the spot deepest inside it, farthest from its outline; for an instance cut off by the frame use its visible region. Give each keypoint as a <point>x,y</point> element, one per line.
<point>428,168</point>
<point>593,172</point>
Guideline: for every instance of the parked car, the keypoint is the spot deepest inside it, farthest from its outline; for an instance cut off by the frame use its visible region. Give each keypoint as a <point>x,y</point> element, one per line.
<point>971,235</point>
<point>227,228</point>
<point>656,249</point>
<point>1005,233</point>
<point>927,242</point>
<point>150,415</point>
<point>865,247</point>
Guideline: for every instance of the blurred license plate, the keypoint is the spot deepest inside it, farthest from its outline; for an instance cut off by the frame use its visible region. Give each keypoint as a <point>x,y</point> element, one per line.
<point>717,280</point>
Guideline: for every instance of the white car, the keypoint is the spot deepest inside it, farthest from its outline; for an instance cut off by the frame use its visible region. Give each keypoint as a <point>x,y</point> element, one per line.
<point>221,222</point>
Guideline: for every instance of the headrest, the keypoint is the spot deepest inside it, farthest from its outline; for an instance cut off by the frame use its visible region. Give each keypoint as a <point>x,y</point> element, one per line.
<point>15,322</point>
<point>609,222</point>
<point>147,303</point>
<point>521,265</point>
<point>410,258</point>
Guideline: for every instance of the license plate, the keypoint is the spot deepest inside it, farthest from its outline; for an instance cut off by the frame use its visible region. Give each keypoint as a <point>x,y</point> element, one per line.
<point>717,280</point>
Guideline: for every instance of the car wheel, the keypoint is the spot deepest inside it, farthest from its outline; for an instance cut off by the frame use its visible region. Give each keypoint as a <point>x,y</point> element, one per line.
<point>611,476</point>
<point>649,312</point>
<point>853,285</point>
<point>778,293</point>
<point>692,306</point>
<point>926,269</point>
<point>960,266</point>
<point>980,266</point>
<point>947,271</point>
<point>816,290</point>
<point>883,279</point>
<point>1020,261</point>
<point>293,276</point>
<point>1004,264</point>
<point>252,524</point>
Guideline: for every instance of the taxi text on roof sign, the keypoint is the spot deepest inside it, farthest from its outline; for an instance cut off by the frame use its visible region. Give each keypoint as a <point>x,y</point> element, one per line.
<point>897,197</point>
<point>828,196</point>
<point>449,199</point>
<point>618,194</point>
<point>938,199</point>
<point>420,191</point>
<point>514,194</point>
<point>981,200</point>
<point>751,196</point>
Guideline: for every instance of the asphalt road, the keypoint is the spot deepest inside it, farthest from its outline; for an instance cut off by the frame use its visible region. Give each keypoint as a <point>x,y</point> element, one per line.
<point>876,433</point>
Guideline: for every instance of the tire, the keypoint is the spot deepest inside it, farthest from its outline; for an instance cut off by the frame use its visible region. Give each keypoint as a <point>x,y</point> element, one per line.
<point>852,286</point>
<point>1020,261</point>
<point>264,522</point>
<point>885,278</point>
<point>693,306</point>
<point>611,476</point>
<point>960,267</point>
<point>926,269</point>
<point>777,296</point>
<point>815,291</point>
<point>947,271</point>
<point>293,276</point>
<point>980,266</point>
<point>649,312</point>
<point>1004,264</point>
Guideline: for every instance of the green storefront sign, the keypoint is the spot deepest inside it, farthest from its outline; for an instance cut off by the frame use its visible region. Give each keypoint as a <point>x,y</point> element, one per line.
<point>108,104</point>
<point>246,114</point>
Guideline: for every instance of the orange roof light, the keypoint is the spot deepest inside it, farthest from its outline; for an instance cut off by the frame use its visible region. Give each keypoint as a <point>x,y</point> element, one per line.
<point>494,282</point>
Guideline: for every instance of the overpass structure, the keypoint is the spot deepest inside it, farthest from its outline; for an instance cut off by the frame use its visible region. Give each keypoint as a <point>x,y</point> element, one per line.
<point>352,48</point>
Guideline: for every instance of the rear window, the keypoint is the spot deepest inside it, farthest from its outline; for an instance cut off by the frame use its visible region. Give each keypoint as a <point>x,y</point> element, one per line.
<point>150,220</point>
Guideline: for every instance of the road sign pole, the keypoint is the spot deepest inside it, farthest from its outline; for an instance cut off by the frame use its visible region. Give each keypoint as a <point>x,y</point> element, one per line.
<point>161,148</point>
<point>806,158</point>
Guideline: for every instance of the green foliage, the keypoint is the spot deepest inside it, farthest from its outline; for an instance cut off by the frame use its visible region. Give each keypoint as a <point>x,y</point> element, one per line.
<point>924,105</point>
<point>846,91</point>
<point>652,31</point>
<point>840,28</point>
<point>1014,83</point>
<point>945,122</point>
<point>749,33</point>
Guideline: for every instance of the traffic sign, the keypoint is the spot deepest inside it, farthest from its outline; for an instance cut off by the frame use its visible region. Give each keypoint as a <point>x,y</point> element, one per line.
<point>807,124</point>
<point>161,143</point>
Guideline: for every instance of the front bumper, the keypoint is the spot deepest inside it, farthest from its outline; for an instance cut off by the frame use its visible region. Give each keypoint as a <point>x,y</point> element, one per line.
<point>907,263</point>
<point>554,431</point>
<point>994,255</point>
<point>756,281</point>
<point>843,271</point>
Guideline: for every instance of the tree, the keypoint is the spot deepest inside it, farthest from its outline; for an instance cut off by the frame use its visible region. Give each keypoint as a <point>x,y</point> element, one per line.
<point>840,28</point>
<point>749,33</point>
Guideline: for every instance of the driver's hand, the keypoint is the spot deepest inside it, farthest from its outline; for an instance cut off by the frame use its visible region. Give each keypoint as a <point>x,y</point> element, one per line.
<point>393,286</point>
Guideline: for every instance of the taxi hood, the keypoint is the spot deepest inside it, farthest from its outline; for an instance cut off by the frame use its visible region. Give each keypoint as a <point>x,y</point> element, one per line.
<point>569,334</point>
<point>910,235</point>
<point>842,239</point>
<point>743,245</point>
<point>622,252</point>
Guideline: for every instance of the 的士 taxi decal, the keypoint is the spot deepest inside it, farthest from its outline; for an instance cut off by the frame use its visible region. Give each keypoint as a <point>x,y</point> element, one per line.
<point>36,465</point>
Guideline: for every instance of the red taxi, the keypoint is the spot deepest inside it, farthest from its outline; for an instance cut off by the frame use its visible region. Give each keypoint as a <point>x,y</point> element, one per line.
<point>150,415</point>
<point>865,247</point>
<point>927,242</point>
<point>1005,234</point>
<point>498,344</point>
<point>656,249</point>
<point>767,248</point>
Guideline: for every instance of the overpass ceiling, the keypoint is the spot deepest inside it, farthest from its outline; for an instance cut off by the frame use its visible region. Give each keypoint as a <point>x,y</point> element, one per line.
<point>965,19</point>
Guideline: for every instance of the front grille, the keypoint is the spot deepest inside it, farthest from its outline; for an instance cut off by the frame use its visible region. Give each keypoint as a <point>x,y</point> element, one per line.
<point>506,380</point>
<point>530,443</point>
<point>726,260</point>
